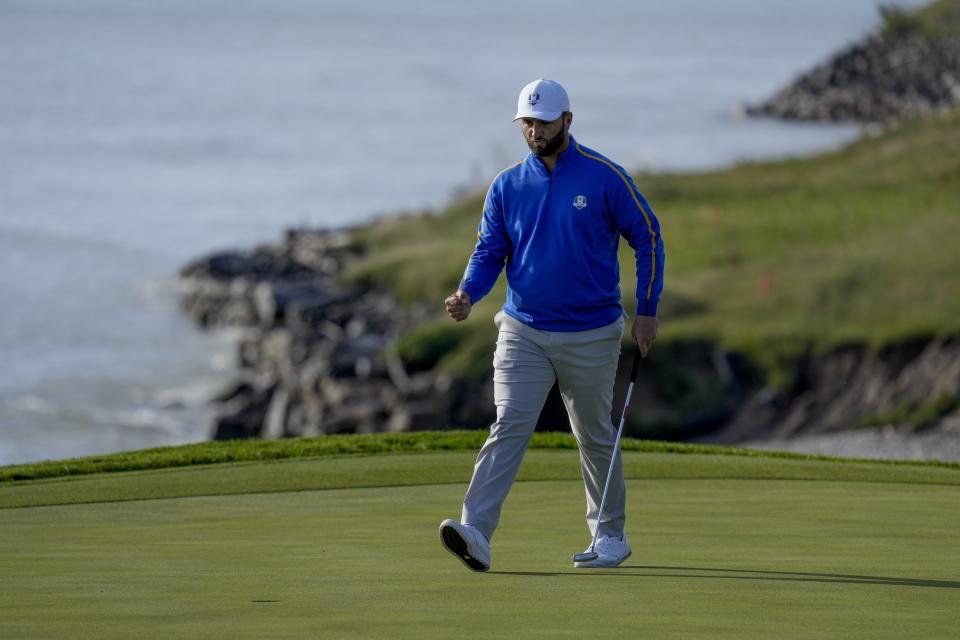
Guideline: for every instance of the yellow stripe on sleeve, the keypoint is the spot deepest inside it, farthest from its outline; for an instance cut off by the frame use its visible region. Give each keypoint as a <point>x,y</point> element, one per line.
<point>646,218</point>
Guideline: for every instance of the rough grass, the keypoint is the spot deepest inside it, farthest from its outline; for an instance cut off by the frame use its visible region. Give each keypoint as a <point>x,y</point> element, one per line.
<point>771,259</point>
<point>940,18</point>
<point>246,451</point>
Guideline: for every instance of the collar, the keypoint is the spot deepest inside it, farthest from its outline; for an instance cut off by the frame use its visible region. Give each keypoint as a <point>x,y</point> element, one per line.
<point>562,157</point>
<point>566,153</point>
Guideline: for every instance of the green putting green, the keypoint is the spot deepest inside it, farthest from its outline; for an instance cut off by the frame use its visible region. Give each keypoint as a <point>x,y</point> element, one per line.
<point>347,547</point>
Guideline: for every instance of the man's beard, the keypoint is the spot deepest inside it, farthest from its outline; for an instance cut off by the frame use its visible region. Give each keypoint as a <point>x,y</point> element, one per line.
<point>552,145</point>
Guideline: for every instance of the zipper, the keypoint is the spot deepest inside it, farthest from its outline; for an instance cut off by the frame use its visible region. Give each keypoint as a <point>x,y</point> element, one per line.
<point>549,190</point>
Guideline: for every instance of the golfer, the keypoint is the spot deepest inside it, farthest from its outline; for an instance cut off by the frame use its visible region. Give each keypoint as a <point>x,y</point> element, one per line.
<point>555,220</point>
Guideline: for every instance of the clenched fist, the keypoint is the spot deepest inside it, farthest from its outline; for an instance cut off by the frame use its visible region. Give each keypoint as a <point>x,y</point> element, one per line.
<point>459,305</point>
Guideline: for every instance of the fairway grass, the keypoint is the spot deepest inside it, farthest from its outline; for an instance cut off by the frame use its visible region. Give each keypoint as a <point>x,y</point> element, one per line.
<point>347,547</point>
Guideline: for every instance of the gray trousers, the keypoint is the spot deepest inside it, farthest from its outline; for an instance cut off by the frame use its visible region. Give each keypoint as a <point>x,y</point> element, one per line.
<point>526,364</point>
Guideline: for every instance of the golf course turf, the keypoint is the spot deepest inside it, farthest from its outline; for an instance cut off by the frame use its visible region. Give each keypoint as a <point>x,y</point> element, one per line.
<point>346,546</point>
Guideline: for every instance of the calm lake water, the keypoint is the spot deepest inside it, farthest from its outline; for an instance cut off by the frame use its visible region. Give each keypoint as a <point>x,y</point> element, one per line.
<point>137,135</point>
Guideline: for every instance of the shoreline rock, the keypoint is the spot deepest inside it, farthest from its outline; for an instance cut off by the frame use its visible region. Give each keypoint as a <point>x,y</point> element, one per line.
<point>315,355</point>
<point>879,80</point>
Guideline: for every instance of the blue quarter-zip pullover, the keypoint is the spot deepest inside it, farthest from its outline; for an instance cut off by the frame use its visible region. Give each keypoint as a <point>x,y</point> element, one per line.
<point>558,234</point>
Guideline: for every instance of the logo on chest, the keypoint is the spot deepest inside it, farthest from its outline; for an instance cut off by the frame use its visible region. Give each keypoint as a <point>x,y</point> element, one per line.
<point>580,202</point>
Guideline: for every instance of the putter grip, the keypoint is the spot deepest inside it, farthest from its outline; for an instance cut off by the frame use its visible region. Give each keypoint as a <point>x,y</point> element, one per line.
<point>636,365</point>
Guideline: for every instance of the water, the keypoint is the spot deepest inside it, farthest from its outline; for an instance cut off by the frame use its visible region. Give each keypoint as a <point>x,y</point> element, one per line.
<point>137,135</point>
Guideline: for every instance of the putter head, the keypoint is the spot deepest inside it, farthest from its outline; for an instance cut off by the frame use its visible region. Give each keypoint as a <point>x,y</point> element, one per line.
<point>586,556</point>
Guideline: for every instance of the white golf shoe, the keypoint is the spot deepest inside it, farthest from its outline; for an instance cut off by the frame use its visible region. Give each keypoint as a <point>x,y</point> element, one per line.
<point>467,543</point>
<point>610,552</point>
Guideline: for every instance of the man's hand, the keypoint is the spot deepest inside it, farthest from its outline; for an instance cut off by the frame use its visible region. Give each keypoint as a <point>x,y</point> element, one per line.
<point>645,332</point>
<point>459,305</point>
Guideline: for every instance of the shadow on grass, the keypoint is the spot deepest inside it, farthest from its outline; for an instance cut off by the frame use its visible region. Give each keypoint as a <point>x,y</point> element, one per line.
<point>653,571</point>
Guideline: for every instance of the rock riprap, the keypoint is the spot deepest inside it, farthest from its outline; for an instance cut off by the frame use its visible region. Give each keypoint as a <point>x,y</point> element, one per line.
<point>882,79</point>
<point>315,355</point>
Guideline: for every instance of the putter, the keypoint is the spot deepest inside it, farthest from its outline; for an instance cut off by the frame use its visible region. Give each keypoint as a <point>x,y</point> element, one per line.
<point>590,554</point>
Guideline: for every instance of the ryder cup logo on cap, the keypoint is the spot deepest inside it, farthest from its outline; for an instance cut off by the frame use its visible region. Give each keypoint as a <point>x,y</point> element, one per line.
<point>542,100</point>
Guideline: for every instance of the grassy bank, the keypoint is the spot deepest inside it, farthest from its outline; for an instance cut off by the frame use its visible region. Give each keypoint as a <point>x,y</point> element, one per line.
<point>938,19</point>
<point>336,446</point>
<point>771,259</point>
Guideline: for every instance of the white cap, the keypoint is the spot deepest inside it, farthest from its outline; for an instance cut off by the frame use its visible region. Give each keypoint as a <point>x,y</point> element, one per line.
<point>542,100</point>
